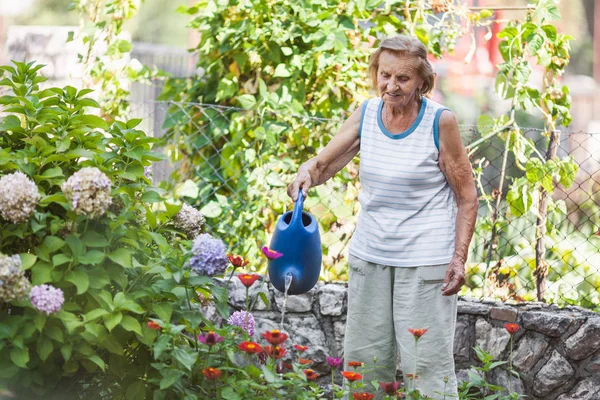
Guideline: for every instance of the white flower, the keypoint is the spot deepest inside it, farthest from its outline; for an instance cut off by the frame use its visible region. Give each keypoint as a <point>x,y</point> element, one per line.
<point>88,190</point>
<point>18,197</point>
<point>13,283</point>
<point>189,220</point>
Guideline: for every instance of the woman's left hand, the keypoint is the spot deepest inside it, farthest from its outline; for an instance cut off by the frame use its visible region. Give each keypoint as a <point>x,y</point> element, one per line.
<point>455,277</point>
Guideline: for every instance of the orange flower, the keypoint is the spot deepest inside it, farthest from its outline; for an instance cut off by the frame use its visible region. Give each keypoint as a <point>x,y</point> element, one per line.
<point>512,328</point>
<point>153,325</point>
<point>363,396</point>
<point>412,376</point>
<point>274,351</point>
<point>310,374</point>
<point>250,347</point>
<point>237,261</point>
<point>300,349</point>
<point>304,361</point>
<point>212,373</point>
<point>248,279</point>
<point>275,336</point>
<point>355,364</point>
<point>351,376</point>
<point>417,333</point>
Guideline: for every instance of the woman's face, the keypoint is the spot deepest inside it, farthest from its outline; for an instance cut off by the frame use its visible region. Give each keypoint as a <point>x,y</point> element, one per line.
<point>398,79</point>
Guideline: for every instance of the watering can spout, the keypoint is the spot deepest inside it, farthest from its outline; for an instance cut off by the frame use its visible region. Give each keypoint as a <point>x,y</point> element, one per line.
<point>297,237</point>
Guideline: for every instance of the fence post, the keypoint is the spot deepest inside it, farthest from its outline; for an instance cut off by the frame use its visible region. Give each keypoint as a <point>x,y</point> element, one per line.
<point>541,265</point>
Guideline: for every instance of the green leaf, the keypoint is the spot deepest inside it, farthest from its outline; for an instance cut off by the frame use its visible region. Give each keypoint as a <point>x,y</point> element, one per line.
<point>53,243</point>
<point>247,101</point>
<point>264,299</point>
<point>187,189</point>
<point>122,257</point>
<point>40,273</point>
<point>94,239</point>
<point>54,333</point>
<point>269,376</point>
<point>485,124</point>
<point>92,257</point>
<point>80,279</point>
<point>27,260</point>
<point>212,209</point>
<point>227,393</point>
<point>151,197</point>
<point>94,314</point>
<point>187,358</point>
<point>60,259</point>
<point>131,324</point>
<point>281,72</point>
<point>136,391</point>
<point>44,348</point>
<point>112,320</point>
<point>98,361</point>
<point>170,376</point>
<point>66,351</point>
<point>20,357</point>
<point>75,245</point>
<point>163,311</point>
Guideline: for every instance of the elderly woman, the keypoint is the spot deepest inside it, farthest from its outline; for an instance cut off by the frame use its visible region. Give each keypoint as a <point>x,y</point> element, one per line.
<point>418,211</point>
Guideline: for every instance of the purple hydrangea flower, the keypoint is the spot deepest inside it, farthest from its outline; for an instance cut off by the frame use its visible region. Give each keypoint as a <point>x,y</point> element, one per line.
<point>238,318</point>
<point>46,298</point>
<point>209,255</point>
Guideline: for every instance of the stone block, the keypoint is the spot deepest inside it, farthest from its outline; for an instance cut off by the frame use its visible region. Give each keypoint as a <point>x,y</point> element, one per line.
<point>332,299</point>
<point>296,303</point>
<point>587,389</point>
<point>594,365</point>
<point>504,314</point>
<point>462,339</point>
<point>529,351</point>
<point>585,341</point>
<point>339,329</point>
<point>551,324</point>
<point>491,339</point>
<point>553,374</point>
<point>500,377</point>
<point>467,307</point>
<point>237,295</point>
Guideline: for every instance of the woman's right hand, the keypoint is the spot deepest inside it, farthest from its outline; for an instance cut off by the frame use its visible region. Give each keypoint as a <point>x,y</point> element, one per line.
<point>303,182</point>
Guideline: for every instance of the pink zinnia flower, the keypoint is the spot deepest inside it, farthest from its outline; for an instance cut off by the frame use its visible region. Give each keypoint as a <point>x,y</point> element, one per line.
<point>271,254</point>
<point>210,338</point>
<point>333,362</point>
<point>390,388</point>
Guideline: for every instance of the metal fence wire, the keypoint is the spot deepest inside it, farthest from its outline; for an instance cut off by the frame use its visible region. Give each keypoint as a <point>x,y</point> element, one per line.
<point>235,171</point>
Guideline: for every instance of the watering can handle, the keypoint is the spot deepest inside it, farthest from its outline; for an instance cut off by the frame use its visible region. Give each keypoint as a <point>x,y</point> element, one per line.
<point>297,214</point>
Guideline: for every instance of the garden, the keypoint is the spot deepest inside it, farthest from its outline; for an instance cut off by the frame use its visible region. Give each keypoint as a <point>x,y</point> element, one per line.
<point>116,285</point>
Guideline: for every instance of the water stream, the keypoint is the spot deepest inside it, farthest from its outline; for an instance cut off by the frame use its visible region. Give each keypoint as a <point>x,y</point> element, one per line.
<point>288,283</point>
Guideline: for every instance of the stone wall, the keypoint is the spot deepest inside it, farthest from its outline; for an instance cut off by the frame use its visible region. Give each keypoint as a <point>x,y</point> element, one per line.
<point>556,350</point>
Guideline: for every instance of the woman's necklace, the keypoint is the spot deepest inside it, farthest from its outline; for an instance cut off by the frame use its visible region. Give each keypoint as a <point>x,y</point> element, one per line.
<point>387,121</point>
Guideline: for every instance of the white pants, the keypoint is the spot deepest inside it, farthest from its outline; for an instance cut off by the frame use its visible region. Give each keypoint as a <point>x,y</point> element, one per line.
<point>383,303</point>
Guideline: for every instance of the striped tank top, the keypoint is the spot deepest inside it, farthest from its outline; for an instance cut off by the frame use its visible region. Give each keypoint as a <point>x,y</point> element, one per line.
<point>408,211</point>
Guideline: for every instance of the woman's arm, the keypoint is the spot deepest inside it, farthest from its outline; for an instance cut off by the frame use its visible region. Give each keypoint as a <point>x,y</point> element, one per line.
<point>455,165</point>
<point>338,152</point>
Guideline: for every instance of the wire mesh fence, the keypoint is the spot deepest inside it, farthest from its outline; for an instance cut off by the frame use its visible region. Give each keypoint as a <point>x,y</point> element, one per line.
<point>234,165</point>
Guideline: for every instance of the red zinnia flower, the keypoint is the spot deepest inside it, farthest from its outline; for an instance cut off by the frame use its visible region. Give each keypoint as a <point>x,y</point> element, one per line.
<point>275,336</point>
<point>153,325</point>
<point>237,261</point>
<point>417,333</point>
<point>301,349</point>
<point>274,351</point>
<point>355,364</point>
<point>351,376</point>
<point>363,396</point>
<point>271,254</point>
<point>512,328</point>
<point>310,374</point>
<point>248,279</point>
<point>412,376</point>
<point>304,361</point>
<point>250,347</point>
<point>211,373</point>
<point>390,388</point>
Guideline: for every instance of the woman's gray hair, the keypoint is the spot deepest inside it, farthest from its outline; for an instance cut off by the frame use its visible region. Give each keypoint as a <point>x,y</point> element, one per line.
<point>405,45</point>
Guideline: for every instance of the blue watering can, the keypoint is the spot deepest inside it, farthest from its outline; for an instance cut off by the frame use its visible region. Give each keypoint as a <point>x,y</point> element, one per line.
<point>297,237</point>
